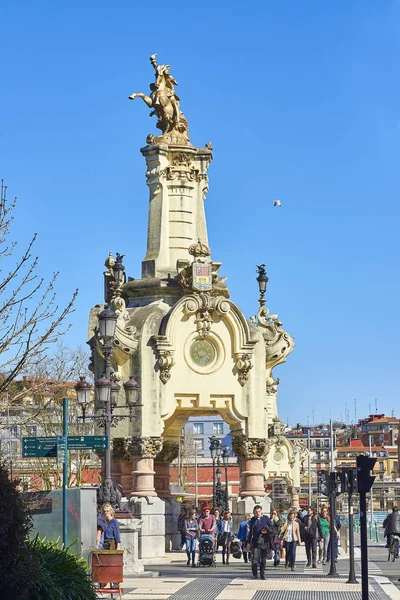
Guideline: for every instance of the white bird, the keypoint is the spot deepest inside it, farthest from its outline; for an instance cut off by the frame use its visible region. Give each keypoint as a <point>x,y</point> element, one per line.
<point>277,203</point>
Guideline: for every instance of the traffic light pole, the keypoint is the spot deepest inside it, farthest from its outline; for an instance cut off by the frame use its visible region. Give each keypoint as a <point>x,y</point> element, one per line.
<point>332,511</point>
<point>364,546</point>
<point>352,573</point>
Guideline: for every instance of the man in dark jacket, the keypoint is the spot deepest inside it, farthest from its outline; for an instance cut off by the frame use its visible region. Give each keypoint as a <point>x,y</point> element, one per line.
<point>259,539</point>
<point>392,524</point>
<point>310,532</point>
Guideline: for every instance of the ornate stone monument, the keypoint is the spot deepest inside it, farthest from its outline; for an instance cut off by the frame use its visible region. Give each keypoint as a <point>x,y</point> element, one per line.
<point>181,336</point>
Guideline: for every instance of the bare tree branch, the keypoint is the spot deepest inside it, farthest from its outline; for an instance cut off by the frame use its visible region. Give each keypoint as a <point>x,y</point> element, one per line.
<point>30,319</point>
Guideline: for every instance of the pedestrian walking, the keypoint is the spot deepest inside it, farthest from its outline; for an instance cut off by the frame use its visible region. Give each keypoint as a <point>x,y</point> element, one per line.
<point>242,535</point>
<point>207,524</point>
<point>310,534</point>
<point>191,528</point>
<point>259,539</point>
<point>324,535</point>
<point>226,535</point>
<point>290,533</point>
<point>180,526</point>
<point>336,528</point>
<point>218,540</point>
<point>277,523</point>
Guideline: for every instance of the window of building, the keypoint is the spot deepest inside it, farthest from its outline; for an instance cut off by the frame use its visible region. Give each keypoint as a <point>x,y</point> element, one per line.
<point>327,455</point>
<point>14,431</point>
<point>326,443</point>
<point>218,428</point>
<point>381,466</point>
<point>318,455</point>
<point>199,444</point>
<point>198,428</point>
<point>32,431</point>
<point>318,443</point>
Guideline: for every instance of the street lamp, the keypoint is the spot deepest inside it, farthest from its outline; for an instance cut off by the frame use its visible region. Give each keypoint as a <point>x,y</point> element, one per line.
<point>225,461</point>
<point>107,389</point>
<point>218,452</point>
<point>262,280</point>
<point>215,451</point>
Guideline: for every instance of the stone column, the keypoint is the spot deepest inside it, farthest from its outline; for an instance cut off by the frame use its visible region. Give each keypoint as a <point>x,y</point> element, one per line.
<point>121,465</point>
<point>144,503</point>
<point>144,450</point>
<point>163,464</point>
<point>295,497</point>
<point>253,453</point>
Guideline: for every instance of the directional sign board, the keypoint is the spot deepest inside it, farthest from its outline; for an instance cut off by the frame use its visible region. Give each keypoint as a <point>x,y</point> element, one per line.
<point>60,448</point>
<point>51,447</point>
<point>35,447</point>
<point>87,442</point>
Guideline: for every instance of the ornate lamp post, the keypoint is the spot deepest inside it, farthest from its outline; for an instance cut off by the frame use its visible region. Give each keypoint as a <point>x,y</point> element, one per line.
<point>225,461</point>
<point>218,452</point>
<point>107,390</point>
<point>262,283</point>
<point>215,451</point>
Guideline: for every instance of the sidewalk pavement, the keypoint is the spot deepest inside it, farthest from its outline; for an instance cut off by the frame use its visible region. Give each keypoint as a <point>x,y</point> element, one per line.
<point>303,584</point>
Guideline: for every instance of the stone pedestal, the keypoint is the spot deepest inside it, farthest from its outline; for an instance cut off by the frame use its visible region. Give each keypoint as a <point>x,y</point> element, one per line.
<point>172,512</point>
<point>241,506</point>
<point>130,528</point>
<point>151,512</point>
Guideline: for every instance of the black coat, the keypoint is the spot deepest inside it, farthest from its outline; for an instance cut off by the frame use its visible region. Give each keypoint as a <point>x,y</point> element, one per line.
<point>255,527</point>
<point>310,532</point>
<point>392,523</point>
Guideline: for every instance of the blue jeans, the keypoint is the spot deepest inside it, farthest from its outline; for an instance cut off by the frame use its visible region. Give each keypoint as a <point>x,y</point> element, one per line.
<point>191,545</point>
<point>291,553</point>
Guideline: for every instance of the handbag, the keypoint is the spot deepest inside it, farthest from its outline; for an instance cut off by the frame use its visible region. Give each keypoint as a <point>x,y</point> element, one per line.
<point>278,540</point>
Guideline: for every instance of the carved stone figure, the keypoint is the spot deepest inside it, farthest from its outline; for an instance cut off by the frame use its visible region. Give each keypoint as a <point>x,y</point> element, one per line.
<point>165,104</point>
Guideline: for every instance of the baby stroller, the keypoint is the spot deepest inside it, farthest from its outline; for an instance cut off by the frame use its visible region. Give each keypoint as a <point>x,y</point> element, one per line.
<point>206,551</point>
<point>236,548</point>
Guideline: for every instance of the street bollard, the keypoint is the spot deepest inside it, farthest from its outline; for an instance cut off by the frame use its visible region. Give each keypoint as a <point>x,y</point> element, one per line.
<point>370,530</point>
<point>377,538</point>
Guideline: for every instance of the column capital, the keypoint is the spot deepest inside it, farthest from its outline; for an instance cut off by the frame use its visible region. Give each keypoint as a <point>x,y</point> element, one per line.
<point>251,448</point>
<point>145,447</point>
<point>168,454</point>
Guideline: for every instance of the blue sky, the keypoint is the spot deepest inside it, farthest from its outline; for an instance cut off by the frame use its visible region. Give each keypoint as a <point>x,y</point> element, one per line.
<point>300,101</point>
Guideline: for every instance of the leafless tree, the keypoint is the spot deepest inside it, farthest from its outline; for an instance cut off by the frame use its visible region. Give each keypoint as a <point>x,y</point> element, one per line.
<point>187,460</point>
<point>30,318</point>
<point>40,410</point>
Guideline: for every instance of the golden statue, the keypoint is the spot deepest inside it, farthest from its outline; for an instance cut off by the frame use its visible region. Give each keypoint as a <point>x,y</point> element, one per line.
<point>165,104</point>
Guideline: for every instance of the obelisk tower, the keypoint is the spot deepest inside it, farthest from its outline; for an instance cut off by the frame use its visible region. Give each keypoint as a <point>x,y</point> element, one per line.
<point>177,178</point>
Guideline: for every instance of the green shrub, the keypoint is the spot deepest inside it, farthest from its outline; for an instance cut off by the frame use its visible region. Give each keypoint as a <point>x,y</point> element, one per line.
<point>17,566</point>
<point>62,575</point>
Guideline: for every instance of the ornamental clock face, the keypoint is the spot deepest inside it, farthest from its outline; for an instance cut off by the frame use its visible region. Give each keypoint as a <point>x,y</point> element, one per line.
<point>202,352</point>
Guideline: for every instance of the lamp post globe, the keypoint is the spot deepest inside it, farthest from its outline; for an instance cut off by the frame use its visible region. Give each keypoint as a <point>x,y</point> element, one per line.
<point>103,388</point>
<point>83,390</point>
<point>132,391</point>
<point>119,269</point>
<point>107,323</point>
<point>114,393</point>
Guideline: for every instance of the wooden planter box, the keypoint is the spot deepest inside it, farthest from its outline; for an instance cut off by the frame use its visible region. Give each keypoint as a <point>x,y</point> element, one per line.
<point>108,567</point>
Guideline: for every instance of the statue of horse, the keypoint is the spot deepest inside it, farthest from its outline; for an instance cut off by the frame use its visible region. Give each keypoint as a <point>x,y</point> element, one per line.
<point>165,104</point>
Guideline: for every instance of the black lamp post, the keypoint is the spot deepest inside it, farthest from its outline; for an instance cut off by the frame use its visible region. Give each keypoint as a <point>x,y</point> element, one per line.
<point>262,283</point>
<point>218,452</point>
<point>225,461</point>
<point>107,390</point>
